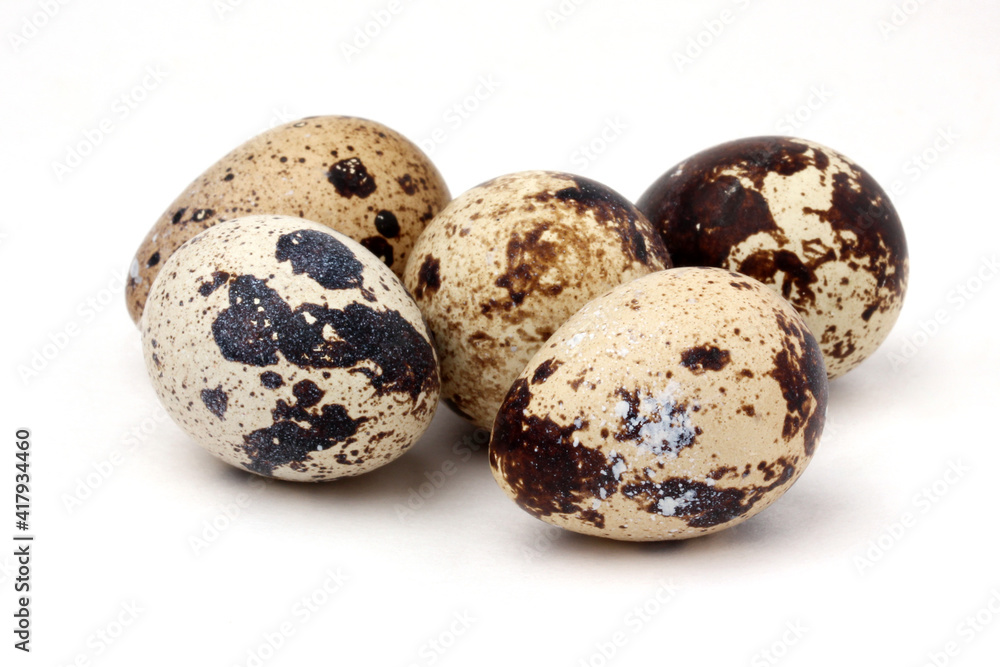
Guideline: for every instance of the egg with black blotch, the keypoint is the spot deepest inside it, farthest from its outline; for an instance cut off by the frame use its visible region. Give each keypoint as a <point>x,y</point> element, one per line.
<point>353,175</point>
<point>289,350</point>
<point>676,405</point>
<point>801,218</point>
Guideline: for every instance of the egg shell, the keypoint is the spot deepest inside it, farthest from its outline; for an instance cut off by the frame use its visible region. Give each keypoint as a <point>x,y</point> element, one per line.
<point>287,349</point>
<point>677,405</point>
<point>353,175</point>
<point>801,218</point>
<point>504,264</point>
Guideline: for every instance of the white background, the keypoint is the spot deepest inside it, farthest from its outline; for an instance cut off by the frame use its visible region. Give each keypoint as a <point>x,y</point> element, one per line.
<point>878,555</point>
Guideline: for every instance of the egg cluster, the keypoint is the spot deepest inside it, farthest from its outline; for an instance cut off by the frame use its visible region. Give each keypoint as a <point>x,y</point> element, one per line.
<point>650,371</point>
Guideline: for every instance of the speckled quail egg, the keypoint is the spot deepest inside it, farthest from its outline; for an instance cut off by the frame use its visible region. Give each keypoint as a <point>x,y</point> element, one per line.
<point>504,264</point>
<point>353,175</point>
<point>799,217</point>
<point>285,348</point>
<point>676,405</point>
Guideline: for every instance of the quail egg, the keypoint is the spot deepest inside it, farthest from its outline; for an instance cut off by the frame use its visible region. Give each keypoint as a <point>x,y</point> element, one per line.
<point>801,218</point>
<point>676,405</point>
<point>289,350</point>
<point>504,264</point>
<point>353,175</point>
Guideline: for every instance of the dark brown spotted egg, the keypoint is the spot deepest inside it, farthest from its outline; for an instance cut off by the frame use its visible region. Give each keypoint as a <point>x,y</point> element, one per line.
<point>676,405</point>
<point>801,218</point>
<point>504,264</point>
<point>289,350</point>
<point>353,175</point>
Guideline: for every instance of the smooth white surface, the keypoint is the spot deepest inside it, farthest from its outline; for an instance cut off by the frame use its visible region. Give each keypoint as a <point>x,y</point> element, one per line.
<point>534,595</point>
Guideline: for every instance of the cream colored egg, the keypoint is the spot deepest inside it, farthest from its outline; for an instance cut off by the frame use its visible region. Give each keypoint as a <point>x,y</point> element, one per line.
<point>801,218</point>
<point>503,265</point>
<point>287,349</point>
<point>677,405</point>
<point>353,175</point>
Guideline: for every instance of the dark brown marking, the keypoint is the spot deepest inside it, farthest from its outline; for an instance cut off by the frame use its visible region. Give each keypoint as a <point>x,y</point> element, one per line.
<point>408,184</point>
<point>704,358</point>
<point>801,375</point>
<point>699,504</point>
<point>545,370</point>
<point>608,207</point>
<point>322,257</point>
<point>764,265</point>
<point>428,278</point>
<point>868,229</point>
<point>258,324</point>
<point>537,459</point>
<point>286,442</point>
<point>219,278</point>
<point>528,260</point>
<point>351,178</point>
<point>379,247</point>
<point>216,400</point>
<point>387,224</point>
<point>271,380</point>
